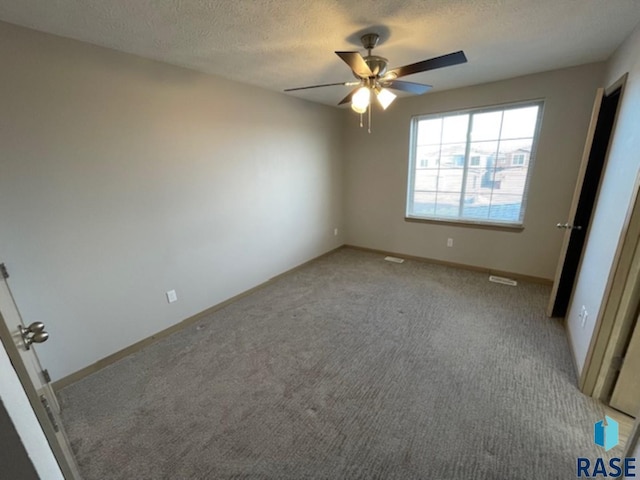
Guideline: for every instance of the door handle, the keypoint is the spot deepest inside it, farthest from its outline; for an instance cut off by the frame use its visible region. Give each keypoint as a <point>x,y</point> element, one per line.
<point>34,333</point>
<point>568,226</point>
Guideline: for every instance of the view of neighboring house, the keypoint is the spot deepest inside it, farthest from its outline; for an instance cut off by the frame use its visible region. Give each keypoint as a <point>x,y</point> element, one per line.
<point>496,178</point>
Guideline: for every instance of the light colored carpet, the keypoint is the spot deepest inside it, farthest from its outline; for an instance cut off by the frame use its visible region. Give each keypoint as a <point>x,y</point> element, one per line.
<point>351,367</point>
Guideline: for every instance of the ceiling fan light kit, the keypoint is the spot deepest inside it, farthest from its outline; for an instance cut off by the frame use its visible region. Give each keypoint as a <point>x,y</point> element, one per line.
<point>373,76</point>
<point>360,100</point>
<point>385,97</point>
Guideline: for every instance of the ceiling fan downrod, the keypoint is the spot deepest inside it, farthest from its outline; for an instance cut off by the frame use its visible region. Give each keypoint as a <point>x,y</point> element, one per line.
<point>370,41</point>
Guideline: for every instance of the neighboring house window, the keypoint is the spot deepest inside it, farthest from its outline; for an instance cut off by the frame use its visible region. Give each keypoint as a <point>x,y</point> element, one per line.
<point>517,159</point>
<point>478,172</point>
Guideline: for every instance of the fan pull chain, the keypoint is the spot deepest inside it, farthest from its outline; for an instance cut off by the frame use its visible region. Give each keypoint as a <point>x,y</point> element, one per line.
<point>361,121</point>
<point>369,127</point>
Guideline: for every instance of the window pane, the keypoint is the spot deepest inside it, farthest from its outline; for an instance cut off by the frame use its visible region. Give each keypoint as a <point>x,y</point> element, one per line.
<point>448,204</point>
<point>429,131</point>
<point>428,157</point>
<point>478,189</point>
<point>450,179</point>
<point>486,126</point>
<point>426,179</point>
<point>485,151</point>
<point>452,155</point>
<point>455,128</point>
<point>519,122</point>
<point>475,207</point>
<point>424,203</point>
<point>480,176</point>
<point>505,208</point>
<point>511,175</point>
<point>451,167</point>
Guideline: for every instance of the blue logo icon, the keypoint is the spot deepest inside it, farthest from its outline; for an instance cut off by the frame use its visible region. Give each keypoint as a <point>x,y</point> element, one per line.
<point>606,434</point>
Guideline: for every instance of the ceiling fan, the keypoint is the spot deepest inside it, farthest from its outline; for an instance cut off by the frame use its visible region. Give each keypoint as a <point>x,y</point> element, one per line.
<point>374,78</point>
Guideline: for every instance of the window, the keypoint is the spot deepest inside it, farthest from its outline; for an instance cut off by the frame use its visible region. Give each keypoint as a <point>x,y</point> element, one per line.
<point>517,159</point>
<point>477,169</point>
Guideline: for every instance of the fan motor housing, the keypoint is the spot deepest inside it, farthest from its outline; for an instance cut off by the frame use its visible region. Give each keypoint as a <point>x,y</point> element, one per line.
<point>378,65</point>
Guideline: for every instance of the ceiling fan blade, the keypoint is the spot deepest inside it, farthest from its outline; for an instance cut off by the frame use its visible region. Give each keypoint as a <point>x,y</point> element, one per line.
<point>356,63</point>
<point>448,60</point>
<point>415,88</point>
<point>316,86</point>
<point>347,99</point>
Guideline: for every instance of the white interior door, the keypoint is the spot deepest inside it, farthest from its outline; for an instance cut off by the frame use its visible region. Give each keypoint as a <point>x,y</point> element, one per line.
<point>21,350</point>
<point>568,225</point>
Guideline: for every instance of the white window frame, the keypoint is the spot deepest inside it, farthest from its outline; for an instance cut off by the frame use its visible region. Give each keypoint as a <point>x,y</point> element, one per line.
<point>462,220</point>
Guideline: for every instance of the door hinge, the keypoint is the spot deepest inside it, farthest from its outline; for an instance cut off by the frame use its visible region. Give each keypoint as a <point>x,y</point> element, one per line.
<point>47,408</point>
<point>46,376</point>
<point>4,273</point>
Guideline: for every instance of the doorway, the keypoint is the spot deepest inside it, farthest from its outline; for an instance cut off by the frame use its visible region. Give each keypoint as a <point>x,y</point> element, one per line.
<point>594,158</point>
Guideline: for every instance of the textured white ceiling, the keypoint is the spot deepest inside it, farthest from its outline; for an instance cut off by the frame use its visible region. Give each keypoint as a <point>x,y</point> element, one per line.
<point>288,43</point>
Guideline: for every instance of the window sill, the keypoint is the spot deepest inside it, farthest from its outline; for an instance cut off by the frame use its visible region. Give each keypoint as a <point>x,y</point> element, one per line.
<point>467,223</point>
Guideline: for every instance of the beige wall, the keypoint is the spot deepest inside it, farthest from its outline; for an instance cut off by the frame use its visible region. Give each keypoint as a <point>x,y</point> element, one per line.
<point>122,178</point>
<point>376,175</point>
<point>613,200</point>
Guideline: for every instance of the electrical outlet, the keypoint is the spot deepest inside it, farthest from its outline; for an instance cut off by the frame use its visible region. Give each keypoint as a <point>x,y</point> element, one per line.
<point>172,296</point>
<point>335,232</point>
<point>449,242</point>
<point>583,316</point>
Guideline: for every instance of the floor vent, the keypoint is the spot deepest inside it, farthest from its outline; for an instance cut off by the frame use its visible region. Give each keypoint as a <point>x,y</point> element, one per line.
<point>503,280</point>
<point>394,259</point>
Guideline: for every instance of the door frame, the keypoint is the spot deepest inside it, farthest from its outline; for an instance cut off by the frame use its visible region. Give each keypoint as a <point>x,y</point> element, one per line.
<point>634,439</point>
<point>30,437</point>
<point>617,313</point>
<point>67,466</point>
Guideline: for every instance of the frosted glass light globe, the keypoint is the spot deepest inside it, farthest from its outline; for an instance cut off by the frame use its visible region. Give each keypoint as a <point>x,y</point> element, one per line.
<point>360,100</point>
